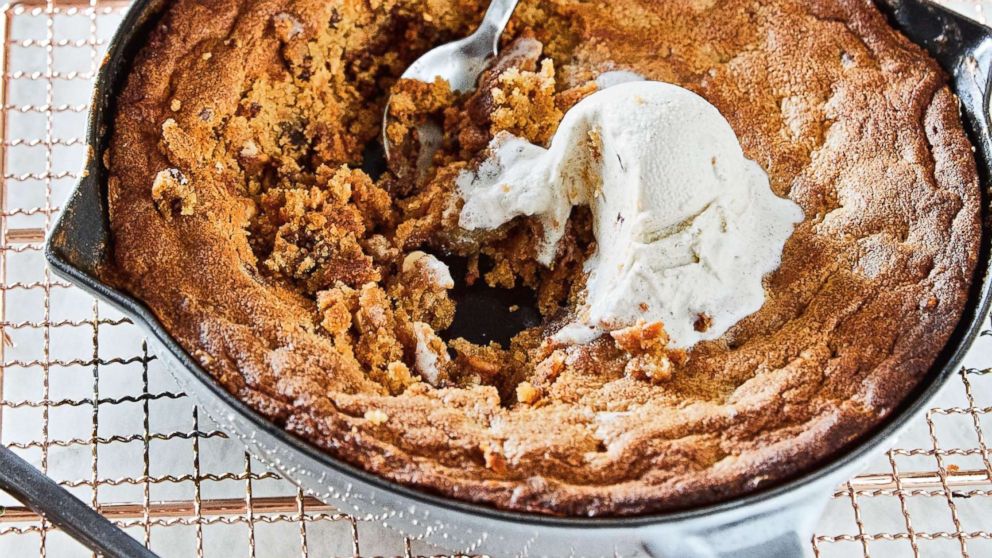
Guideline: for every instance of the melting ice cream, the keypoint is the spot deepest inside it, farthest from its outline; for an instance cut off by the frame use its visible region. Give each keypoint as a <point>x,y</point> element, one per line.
<point>686,227</point>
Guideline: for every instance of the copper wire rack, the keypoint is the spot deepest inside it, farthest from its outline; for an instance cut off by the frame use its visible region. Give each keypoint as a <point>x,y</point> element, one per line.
<point>82,399</point>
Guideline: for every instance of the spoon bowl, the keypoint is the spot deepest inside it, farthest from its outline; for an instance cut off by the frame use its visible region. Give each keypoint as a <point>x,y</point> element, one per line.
<point>459,63</point>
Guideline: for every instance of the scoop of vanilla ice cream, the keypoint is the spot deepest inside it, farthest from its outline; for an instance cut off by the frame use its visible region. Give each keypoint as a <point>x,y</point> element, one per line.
<point>686,227</point>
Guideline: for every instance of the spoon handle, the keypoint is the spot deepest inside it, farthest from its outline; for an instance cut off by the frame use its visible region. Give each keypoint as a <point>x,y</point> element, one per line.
<point>497,16</point>
<point>56,504</point>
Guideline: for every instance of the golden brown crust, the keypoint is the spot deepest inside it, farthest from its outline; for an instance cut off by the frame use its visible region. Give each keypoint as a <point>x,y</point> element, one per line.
<point>850,120</point>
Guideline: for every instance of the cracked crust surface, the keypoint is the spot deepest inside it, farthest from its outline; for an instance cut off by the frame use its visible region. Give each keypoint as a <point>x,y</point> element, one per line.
<point>260,105</point>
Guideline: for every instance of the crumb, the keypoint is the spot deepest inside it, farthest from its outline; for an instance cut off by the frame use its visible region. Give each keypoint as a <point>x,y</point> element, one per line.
<point>431,355</point>
<point>472,274</point>
<point>514,308</point>
<point>376,417</point>
<point>595,145</point>
<point>641,338</point>
<point>173,193</point>
<point>430,269</point>
<point>398,374</point>
<point>647,345</point>
<point>479,364</point>
<point>421,291</point>
<point>527,393</point>
<point>503,274</point>
<point>548,368</point>
<point>703,323</point>
<point>250,150</point>
<point>378,345</point>
<point>494,458</point>
<point>287,26</point>
<point>207,56</point>
<point>525,104</point>
<point>337,306</point>
<point>176,105</point>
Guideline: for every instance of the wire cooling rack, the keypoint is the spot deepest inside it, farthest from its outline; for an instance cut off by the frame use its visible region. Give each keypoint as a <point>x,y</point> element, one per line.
<point>82,399</point>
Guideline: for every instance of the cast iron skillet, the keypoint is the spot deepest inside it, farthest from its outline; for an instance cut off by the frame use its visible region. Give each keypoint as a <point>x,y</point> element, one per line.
<point>775,521</point>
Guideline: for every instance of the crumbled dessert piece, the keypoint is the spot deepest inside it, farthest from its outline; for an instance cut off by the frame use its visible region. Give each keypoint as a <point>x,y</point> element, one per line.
<point>317,248</point>
<point>378,346</point>
<point>376,417</point>
<point>525,104</point>
<point>252,159</point>
<point>398,376</point>
<point>372,202</point>
<point>429,268</point>
<point>346,310</point>
<point>472,274</point>
<point>641,338</point>
<point>180,146</point>
<point>492,453</point>
<point>381,249</point>
<point>478,364</point>
<point>431,355</point>
<point>647,344</point>
<point>250,150</point>
<point>703,323</point>
<point>287,26</point>
<point>653,367</point>
<point>502,275</point>
<point>547,369</point>
<point>176,105</point>
<point>430,213</point>
<point>527,393</point>
<point>421,291</point>
<point>315,235</point>
<point>412,104</point>
<point>337,307</point>
<point>173,193</point>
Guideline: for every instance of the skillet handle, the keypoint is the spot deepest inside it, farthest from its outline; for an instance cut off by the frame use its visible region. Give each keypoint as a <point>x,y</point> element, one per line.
<point>785,532</point>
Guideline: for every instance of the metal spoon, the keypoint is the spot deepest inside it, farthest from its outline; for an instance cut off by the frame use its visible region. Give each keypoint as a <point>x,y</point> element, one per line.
<point>460,63</point>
